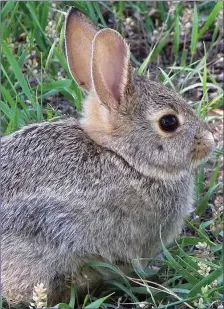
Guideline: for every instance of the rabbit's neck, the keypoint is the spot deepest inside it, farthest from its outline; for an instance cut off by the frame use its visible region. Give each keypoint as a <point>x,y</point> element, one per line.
<point>95,120</point>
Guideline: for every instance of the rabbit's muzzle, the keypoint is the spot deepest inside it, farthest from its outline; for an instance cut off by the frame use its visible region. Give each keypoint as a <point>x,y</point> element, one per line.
<point>202,146</point>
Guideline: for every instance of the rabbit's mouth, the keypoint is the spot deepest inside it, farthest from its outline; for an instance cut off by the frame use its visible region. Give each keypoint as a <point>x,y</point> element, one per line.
<point>202,147</point>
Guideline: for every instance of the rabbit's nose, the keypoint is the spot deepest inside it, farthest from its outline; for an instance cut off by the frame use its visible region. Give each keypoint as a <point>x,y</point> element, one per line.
<point>210,138</point>
<point>204,137</point>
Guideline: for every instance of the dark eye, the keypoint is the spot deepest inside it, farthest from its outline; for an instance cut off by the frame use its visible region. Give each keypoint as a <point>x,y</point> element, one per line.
<point>169,123</point>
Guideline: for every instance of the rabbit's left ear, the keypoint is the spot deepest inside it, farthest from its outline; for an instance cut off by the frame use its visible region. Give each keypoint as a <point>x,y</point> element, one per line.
<point>111,69</point>
<point>79,34</point>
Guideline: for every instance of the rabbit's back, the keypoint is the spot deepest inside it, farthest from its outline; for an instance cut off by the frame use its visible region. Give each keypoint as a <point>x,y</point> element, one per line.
<point>46,156</point>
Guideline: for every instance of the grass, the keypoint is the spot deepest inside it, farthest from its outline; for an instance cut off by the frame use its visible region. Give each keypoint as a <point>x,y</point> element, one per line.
<point>35,74</point>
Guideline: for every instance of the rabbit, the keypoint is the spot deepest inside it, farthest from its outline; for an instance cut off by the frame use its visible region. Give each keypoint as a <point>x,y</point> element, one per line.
<point>106,187</point>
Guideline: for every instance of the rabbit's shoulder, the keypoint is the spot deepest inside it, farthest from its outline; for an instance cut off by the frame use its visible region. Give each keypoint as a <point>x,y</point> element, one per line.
<point>46,154</point>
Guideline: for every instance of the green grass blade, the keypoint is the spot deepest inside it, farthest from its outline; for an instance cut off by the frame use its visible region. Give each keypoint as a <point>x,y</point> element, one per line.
<point>189,267</point>
<point>91,11</point>
<point>7,9</point>
<point>109,266</point>
<point>49,57</point>
<point>160,45</point>
<point>44,9</point>
<point>55,85</point>
<point>175,265</point>
<point>63,306</point>
<point>97,303</point>
<point>194,34</point>
<point>211,18</point>
<point>167,79</point>
<point>17,71</point>
<point>204,82</point>
<point>124,289</point>
<point>6,110</point>
<point>145,63</point>
<point>187,259</point>
<point>172,305</point>
<point>176,35</point>
<point>204,201</point>
<point>72,296</point>
<point>34,15</point>
<point>205,281</point>
<point>100,16</point>
<point>215,175</point>
<point>201,233</point>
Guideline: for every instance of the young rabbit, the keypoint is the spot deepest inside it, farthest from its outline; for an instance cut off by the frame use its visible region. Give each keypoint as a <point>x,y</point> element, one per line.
<point>105,187</point>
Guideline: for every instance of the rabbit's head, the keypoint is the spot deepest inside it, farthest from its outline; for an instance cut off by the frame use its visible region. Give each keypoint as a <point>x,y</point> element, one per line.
<point>147,124</point>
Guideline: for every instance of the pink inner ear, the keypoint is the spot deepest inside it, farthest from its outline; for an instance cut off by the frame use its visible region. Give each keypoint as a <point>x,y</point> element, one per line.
<point>112,66</point>
<point>79,34</point>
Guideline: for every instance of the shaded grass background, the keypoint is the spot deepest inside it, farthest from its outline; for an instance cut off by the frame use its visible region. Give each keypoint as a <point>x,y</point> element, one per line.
<point>178,44</point>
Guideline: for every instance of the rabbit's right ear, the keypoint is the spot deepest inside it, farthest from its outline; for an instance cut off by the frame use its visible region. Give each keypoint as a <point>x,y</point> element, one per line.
<point>79,34</point>
<point>111,68</point>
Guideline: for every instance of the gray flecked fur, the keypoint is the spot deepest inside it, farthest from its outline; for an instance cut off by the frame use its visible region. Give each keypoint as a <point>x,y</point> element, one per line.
<point>68,200</point>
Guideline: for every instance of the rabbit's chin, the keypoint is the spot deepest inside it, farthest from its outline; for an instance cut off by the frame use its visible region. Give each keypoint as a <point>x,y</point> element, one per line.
<point>163,174</point>
<point>196,162</point>
<point>202,156</point>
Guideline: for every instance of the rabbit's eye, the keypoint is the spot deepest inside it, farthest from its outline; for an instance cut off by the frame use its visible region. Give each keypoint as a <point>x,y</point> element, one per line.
<point>169,123</point>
